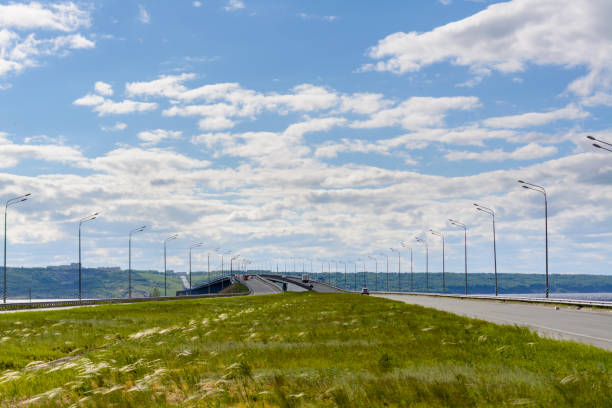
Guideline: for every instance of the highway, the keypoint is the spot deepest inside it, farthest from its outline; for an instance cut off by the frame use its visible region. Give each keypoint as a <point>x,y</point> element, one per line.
<point>590,326</point>
<point>259,286</point>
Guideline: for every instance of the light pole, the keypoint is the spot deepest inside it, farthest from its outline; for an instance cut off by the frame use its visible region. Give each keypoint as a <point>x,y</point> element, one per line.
<point>462,225</point>
<point>405,245</point>
<point>607,147</point>
<point>375,272</point>
<point>81,221</point>
<point>387,275</point>
<point>139,229</point>
<point>443,264</point>
<point>355,275</point>
<point>424,241</point>
<point>170,238</point>
<point>492,214</point>
<point>9,203</point>
<point>196,245</point>
<point>231,263</point>
<point>541,189</point>
<point>342,262</point>
<point>336,274</point>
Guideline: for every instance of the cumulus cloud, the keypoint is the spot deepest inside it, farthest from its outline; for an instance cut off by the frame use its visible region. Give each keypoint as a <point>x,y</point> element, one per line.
<point>21,48</point>
<point>153,137</point>
<point>143,15</point>
<point>114,128</point>
<point>570,112</point>
<point>508,36</point>
<point>530,151</point>
<point>233,5</point>
<point>105,106</point>
<point>103,88</point>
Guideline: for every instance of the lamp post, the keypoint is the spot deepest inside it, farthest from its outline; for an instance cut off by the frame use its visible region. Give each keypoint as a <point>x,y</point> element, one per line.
<point>443,263</point>
<point>540,189</point>
<point>196,245</point>
<point>170,238</point>
<point>492,214</point>
<point>462,225</point>
<point>405,245</point>
<point>81,221</point>
<point>387,275</point>
<point>355,275</point>
<point>9,203</point>
<point>375,272</point>
<point>607,147</point>
<point>424,241</point>
<point>139,229</point>
<point>231,261</point>
<point>342,262</point>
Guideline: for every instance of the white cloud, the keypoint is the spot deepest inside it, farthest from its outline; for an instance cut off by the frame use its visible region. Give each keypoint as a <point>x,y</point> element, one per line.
<point>143,15</point>
<point>197,4</point>
<point>114,128</point>
<point>566,33</point>
<point>103,88</point>
<point>418,112</point>
<point>35,16</point>
<point>108,107</point>
<point>570,112</point>
<point>153,137</point>
<point>233,5</point>
<point>528,152</point>
<point>215,123</point>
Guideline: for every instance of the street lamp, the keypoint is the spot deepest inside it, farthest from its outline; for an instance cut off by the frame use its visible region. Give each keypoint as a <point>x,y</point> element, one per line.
<point>208,266</point>
<point>405,245</point>
<point>387,276</point>
<point>600,146</point>
<point>375,272</point>
<point>170,238</point>
<point>9,203</point>
<point>443,264</point>
<point>492,214</point>
<point>81,221</point>
<point>237,256</point>
<point>462,225</point>
<point>424,241</point>
<point>139,229</point>
<point>398,268</point>
<point>541,189</point>
<point>355,275</point>
<point>342,262</point>
<point>196,245</point>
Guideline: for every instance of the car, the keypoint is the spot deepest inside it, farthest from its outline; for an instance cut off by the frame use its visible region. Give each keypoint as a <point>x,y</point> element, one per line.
<point>365,291</point>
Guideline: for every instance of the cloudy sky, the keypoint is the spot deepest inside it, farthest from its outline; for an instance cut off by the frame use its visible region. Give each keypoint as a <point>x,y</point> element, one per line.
<point>315,130</point>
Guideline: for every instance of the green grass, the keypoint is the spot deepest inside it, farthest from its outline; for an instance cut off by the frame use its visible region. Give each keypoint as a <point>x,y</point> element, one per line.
<point>289,350</point>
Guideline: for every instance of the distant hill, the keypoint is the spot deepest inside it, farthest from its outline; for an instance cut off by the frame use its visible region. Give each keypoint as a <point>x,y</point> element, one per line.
<point>62,282</point>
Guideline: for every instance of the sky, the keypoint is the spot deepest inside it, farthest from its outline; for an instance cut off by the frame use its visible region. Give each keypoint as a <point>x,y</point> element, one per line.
<point>291,131</point>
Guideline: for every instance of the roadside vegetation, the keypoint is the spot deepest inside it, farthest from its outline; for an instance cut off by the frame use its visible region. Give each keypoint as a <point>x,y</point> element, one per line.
<point>288,350</point>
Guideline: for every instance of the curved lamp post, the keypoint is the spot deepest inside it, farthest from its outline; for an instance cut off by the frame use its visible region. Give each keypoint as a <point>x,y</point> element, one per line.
<point>541,189</point>
<point>237,256</point>
<point>607,147</point>
<point>9,203</point>
<point>170,238</point>
<point>196,245</point>
<point>443,264</point>
<point>342,262</point>
<point>462,225</point>
<point>405,245</point>
<point>492,214</point>
<point>424,241</point>
<point>81,221</point>
<point>134,231</point>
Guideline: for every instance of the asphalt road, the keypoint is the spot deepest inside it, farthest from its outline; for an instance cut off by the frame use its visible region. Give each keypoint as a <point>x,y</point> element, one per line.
<point>260,286</point>
<point>316,286</point>
<point>588,326</point>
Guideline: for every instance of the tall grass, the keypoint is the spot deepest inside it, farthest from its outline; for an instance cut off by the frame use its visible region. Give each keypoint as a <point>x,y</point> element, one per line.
<point>288,350</point>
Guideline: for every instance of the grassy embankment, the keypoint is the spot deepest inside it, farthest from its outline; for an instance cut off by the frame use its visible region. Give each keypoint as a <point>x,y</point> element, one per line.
<point>289,350</point>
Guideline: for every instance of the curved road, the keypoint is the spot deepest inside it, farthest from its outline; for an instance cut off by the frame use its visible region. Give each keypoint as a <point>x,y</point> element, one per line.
<point>590,326</point>
<point>259,286</point>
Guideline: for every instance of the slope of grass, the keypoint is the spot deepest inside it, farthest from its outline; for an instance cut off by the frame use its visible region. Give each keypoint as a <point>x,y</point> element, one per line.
<point>289,350</point>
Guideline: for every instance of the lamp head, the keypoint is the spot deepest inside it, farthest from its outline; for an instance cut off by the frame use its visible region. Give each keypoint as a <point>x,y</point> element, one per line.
<point>590,137</point>
<point>521,181</point>
<point>597,146</point>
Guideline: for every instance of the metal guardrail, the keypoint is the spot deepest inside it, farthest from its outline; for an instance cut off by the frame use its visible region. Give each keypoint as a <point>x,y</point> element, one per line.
<point>557,301</point>
<point>91,302</point>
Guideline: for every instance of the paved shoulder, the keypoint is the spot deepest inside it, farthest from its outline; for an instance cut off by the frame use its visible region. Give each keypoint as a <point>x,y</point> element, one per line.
<point>586,326</point>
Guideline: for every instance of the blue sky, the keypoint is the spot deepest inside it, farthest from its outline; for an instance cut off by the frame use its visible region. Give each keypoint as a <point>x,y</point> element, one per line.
<point>316,130</point>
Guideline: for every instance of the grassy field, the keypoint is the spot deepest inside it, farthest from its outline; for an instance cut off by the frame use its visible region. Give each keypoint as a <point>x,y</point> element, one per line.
<point>289,350</point>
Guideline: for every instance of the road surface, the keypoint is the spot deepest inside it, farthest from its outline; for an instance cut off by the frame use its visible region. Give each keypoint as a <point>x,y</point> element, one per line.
<point>259,285</point>
<point>588,326</point>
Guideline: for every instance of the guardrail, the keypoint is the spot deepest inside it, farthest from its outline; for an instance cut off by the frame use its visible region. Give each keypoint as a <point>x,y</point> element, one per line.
<point>91,302</point>
<point>557,301</point>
